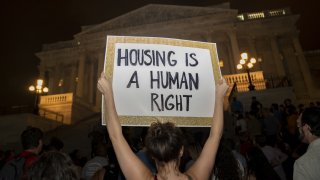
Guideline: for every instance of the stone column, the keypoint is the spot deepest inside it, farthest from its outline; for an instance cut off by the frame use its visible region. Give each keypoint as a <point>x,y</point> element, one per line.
<point>276,56</point>
<point>252,47</point>
<point>235,48</point>
<point>253,52</point>
<point>73,78</point>
<point>304,68</point>
<point>230,60</point>
<point>52,80</point>
<point>91,81</point>
<point>294,73</point>
<point>100,69</point>
<point>41,69</point>
<point>80,84</point>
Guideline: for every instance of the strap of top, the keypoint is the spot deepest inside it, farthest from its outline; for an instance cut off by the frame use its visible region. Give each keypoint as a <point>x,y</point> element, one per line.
<point>189,177</point>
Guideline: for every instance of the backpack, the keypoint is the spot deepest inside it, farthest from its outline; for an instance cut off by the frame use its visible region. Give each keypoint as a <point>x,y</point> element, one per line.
<point>13,170</point>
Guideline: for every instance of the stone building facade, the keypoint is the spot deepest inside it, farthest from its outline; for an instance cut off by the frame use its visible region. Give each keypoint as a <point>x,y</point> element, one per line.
<point>271,36</point>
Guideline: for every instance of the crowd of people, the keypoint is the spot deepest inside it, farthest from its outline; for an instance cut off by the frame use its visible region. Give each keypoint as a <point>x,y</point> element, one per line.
<point>272,139</point>
<point>270,143</point>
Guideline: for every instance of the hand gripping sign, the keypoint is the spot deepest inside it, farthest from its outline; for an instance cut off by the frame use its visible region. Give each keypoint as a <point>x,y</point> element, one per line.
<point>162,79</point>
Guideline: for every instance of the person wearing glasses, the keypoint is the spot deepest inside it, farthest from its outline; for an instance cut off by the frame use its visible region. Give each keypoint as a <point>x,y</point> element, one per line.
<point>307,167</point>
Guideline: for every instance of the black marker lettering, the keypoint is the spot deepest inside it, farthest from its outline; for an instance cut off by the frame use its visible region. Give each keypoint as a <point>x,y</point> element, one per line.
<point>133,79</point>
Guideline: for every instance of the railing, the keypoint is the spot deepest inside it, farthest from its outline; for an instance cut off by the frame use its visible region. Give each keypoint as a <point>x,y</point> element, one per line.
<point>45,113</point>
<point>56,99</point>
<point>259,81</point>
<point>263,14</point>
<point>242,81</point>
<point>232,91</point>
<point>276,82</point>
<point>57,107</point>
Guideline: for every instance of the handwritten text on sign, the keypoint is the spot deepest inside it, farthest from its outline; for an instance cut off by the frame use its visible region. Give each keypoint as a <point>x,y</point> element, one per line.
<point>163,80</point>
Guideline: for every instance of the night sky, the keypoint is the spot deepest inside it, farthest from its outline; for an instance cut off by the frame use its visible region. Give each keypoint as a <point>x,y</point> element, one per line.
<point>26,25</point>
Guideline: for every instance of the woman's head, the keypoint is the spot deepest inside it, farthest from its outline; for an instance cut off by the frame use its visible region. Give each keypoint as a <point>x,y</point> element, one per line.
<point>53,165</point>
<point>164,142</point>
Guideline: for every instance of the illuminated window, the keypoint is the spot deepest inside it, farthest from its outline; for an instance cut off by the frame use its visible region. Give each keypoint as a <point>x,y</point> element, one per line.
<point>60,83</point>
<point>221,63</point>
<point>240,17</point>
<point>256,15</point>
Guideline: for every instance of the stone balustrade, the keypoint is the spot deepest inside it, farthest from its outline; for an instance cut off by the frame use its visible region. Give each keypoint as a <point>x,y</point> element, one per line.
<point>56,99</point>
<point>242,80</point>
<point>57,107</point>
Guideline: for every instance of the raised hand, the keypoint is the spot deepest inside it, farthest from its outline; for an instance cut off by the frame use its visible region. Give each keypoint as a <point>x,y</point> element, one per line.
<point>221,89</point>
<point>104,85</point>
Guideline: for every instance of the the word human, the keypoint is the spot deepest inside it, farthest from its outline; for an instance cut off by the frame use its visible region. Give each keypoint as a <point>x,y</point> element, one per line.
<point>170,80</point>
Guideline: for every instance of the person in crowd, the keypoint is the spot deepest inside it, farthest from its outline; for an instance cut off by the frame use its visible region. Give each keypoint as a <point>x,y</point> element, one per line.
<point>259,165</point>
<point>241,125</point>
<point>254,126</point>
<point>288,103</point>
<point>192,151</point>
<point>143,155</point>
<point>53,165</point>
<point>292,117</point>
<point>300,108</point>
<point>274,155</point>
<point>311,104</point>
<point>96,137</point>
<point>77,158</point>
<point>271,125</point>
<point>2,158</point>
<point>55,144</point>
<point>236,106</point>
<point>242,162</point>
<point>274,109</point>
<point>99,161</point>
<point>32,143</point>
<point>255,106</point>
<point>308,165</point>
<point>7,156</point>
<point>284,115</point>
<point>246,143</point>
<point>163,142</point>
<point>226,166</point>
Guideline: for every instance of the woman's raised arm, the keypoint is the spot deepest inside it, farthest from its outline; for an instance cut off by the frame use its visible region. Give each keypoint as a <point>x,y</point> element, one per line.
<point>130,165</point>
<point>203,166</point>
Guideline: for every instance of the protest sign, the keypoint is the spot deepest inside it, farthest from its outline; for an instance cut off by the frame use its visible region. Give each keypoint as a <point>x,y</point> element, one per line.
<point>162,79</point>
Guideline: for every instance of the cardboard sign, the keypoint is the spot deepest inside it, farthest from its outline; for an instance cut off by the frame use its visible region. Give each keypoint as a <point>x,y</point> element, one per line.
<point>162,79</point>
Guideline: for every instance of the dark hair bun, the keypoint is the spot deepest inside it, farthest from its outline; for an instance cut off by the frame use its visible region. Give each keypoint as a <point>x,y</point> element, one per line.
<point>164,141</point>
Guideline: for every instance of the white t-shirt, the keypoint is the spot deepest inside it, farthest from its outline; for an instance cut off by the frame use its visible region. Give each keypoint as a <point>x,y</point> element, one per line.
<point>242,124</point>
<point>93,165</point>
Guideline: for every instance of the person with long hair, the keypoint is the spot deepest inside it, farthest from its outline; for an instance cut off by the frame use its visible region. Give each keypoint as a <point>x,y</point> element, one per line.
<point>226,166</point>
<point>163,142</point>
<point>54,165</point>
